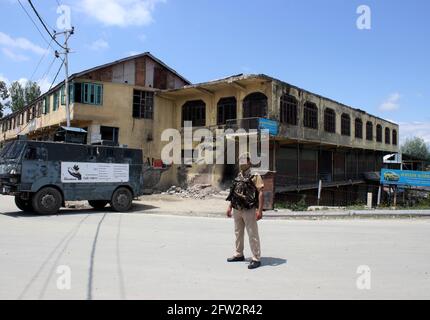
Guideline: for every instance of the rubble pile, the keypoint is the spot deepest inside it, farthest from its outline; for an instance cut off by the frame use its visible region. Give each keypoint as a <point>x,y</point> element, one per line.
<point>197,191</point>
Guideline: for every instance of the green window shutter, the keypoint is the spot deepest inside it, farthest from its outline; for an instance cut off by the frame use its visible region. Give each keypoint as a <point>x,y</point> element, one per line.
<point>71,93</point>
<point>63,96</point>
<point>99,94</point>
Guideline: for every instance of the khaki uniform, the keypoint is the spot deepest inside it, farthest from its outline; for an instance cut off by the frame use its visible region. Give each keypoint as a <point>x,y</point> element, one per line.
<point>247,219</point>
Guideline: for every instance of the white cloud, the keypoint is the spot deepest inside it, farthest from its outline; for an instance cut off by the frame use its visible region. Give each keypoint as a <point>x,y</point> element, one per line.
<point>99,44</point>
<point>415,129</point>
<point>391,103</point>
<point>120,13</point>
<point>14,56</point>
<point>24,44</point>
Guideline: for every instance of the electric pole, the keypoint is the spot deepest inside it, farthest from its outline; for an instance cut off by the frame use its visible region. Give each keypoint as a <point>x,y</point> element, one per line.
<point>67,34</point>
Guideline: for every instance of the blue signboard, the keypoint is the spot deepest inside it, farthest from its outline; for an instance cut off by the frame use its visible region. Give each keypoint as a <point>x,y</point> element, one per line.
<point>270,125</point>
<point>405,178</point>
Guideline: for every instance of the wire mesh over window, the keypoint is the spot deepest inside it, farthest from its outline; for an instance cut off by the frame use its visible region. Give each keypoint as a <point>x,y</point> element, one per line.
<point>227,110</point>
<point>369,131</point>
<point>310,115</point>
<point>288,108</point>
<point>387,136</point>
<point>395,137</point>
<point>379,133</point>
<point>358,128</point>
<point>345,125</point>
<point>143,104</point>
<point>329,120</point>
<point>194,111</point>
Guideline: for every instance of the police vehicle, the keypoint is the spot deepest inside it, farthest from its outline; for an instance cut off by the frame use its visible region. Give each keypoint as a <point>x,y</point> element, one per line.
<point>43,175</point>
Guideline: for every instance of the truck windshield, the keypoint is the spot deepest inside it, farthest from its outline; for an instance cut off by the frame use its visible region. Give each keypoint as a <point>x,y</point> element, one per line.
<point>12,150</point>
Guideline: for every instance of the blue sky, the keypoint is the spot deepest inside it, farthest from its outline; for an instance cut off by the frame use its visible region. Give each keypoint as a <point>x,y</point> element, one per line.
<point>313,44</point>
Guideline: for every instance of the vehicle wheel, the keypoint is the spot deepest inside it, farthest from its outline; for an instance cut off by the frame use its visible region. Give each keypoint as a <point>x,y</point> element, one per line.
<point>47,201</point>
<point>98,204</point>
<point>24,205</point>
<point>122,200</point>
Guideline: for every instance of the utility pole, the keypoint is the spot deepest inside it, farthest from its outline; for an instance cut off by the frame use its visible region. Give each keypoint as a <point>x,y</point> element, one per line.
<point>67,34</point>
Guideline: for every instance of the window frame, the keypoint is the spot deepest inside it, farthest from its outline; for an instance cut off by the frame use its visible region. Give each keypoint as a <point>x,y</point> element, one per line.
<point>345,124</point>
<point>310,115</point>
<point>144,111</point>
<point>329,120</point>
<point>369,134</point>
<point>195,107</point>
<point>289,109</point>
<point>226,110</point>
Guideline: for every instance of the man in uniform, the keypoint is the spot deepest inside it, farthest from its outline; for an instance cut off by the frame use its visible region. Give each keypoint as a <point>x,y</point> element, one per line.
<point>246,213</point>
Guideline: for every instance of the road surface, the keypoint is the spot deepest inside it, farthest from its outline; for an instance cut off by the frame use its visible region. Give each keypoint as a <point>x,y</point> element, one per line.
<point>83,254</point>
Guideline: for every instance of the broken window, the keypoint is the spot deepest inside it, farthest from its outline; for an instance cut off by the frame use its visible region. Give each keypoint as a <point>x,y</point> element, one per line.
<point>289,109</point>
<point>110,134</point>
<point>255,105</point>
<point>329,120</point>
<point>143,104</point>
<point>226,110</point>
<point>369,131</point>
<point>310,115</point>
<point>358,128</point>
<point>395,137</point>
<point>387,136</point>
<point>346,125</point>
<point>379,133</point>
<point>194,111</point>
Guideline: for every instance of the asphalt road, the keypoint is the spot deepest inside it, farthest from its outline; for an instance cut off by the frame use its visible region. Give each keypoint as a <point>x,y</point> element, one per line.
<point>106,255</point>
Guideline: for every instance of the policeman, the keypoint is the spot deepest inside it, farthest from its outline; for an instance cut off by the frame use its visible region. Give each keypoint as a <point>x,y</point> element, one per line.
<point>246,206</point>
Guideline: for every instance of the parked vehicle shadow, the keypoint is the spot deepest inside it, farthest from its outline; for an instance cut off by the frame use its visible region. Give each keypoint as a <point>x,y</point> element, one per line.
<point>137,207</point>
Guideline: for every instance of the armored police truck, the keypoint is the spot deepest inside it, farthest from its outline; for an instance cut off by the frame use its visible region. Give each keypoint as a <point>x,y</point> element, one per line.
<point>44,175</point>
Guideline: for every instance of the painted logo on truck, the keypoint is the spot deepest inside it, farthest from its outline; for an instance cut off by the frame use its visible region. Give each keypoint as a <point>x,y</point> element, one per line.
<point>86,172</point>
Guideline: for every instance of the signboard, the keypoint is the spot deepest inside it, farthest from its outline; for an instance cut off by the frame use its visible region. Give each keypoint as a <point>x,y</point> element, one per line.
<point>395,158</point>
<point>89,172</point>
<point>405,177</point>
<point>270,125</point>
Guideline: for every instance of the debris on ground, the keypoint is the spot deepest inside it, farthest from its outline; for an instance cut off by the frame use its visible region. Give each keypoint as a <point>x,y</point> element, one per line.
<point>197,191</point>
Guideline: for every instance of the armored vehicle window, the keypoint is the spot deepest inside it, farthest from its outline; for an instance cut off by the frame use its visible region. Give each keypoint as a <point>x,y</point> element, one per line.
<point>14,151</point>
<point>36,153</point>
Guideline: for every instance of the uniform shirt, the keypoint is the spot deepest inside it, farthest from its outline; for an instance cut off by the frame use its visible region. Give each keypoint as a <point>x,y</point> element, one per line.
<point>257,180</point>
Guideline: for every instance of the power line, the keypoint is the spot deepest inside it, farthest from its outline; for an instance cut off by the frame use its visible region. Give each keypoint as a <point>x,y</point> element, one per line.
<point>55,78</point>
<point>34,23</point>
<point>44,25</point>
<point>40,61</point>
<point>49,68</point>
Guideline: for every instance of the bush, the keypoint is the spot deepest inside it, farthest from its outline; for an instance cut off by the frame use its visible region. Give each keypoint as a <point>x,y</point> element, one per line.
<point>297,206</point>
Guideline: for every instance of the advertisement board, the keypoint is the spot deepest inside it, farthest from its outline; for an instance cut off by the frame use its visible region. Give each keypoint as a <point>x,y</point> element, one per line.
<point>405,177</point>
<point>86,172</point>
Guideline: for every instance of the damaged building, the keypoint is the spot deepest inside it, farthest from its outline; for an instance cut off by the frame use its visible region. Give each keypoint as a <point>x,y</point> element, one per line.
<point>131,102</point>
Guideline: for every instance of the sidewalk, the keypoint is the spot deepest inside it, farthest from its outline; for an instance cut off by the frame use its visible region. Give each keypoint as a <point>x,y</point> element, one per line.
<point>216,207</point>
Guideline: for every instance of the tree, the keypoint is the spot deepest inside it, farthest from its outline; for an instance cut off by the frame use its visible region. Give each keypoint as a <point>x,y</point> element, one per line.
<point>416,147</point>
<point>4,94</point>
<point>23,95</point>
<point>31,91</point>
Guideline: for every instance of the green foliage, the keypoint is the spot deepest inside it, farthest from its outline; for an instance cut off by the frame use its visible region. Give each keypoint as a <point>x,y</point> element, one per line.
<point>297,206</point>
<point>4,94</point>
<point>23,95</point>
<point>416,147</point>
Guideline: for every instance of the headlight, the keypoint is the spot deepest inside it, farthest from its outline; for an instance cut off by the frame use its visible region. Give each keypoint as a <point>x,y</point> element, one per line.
<point>13,172</point>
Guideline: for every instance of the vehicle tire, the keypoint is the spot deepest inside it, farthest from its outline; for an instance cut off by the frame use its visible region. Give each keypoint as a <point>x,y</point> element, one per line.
<point>122,200</point>
<point>47,201</point>
<point>98,204</point>
<point>24,205</point>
